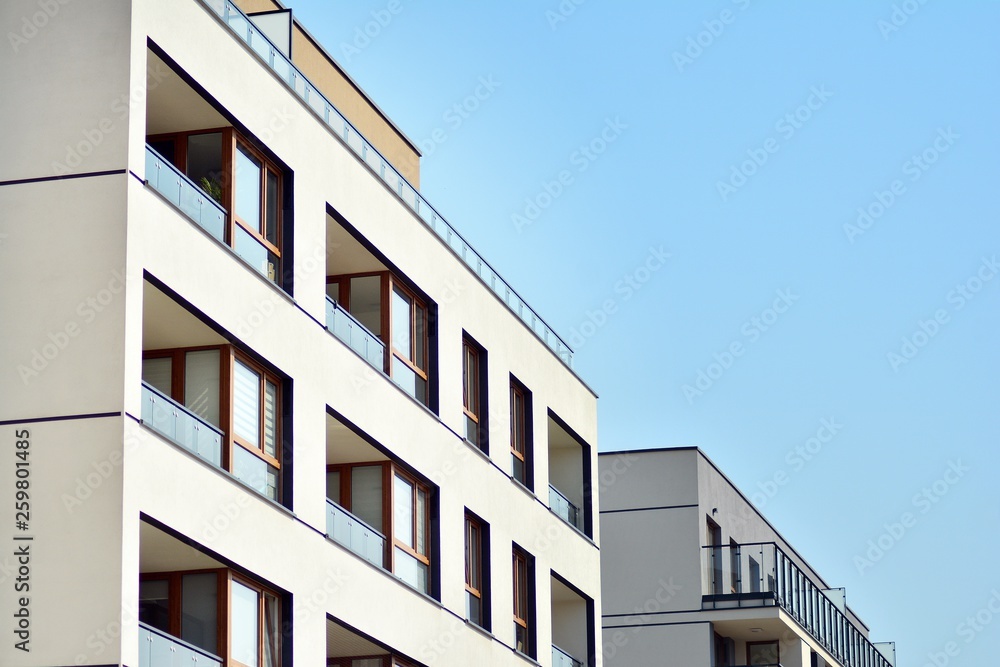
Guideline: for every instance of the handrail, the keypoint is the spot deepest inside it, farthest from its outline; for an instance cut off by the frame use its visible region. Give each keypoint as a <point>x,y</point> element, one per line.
<point>196,445</point>
<point>180,642</point>
<point>311,96</point>
<point>375,357</point>
<point>370,546</point>
<point>794,590</point>
<point>561,657</point>
<point>213,224</point>
<point>354,516</point>
<point>571,507</point>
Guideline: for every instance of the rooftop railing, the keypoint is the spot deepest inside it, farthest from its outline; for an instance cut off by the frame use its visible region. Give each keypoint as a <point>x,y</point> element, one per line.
<point>244,28</point>
<point>158,649</point>
<point>349,531</point>
<point>566,510</point>
<point>761,574</point>
<point>355,335</point>
<point>183,193</point>
<point>175,422</point>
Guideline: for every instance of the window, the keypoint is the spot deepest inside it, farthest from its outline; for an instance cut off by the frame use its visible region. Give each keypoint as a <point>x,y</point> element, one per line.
<point>233,393</point>
<point>523,602</point>
<point>474,394</point>
<point>397,317</point>
<point>762,653</point>
<point>476,571</point>
<point>408,316</point>
<point>188,605</point>
<point>411,529</point>
<point>520,434</point>
<point>243,181</point>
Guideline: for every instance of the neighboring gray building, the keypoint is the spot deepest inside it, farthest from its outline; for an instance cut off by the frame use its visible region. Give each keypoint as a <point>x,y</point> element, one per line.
<point>694,576</point>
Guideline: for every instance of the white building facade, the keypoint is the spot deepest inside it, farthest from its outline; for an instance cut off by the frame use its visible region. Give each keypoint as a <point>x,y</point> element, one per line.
<point>266,407</point>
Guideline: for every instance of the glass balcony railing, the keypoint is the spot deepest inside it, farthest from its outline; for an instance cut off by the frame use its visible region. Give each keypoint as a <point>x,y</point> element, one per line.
<point>566,510</point>
<point>761,574</point>
<point>177,423</point>
<point>158,649</point>
<point>349,531</point>
<point>561,658</point>
<point>343,325</point>
<point>244,28</point>
<point>183,193</point>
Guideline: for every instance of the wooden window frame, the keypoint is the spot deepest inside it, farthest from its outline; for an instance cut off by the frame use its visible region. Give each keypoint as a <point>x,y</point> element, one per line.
<point>224,580</point>
<point>262,591</point>
<point>474,572</point>
<point>418,311</point>
<point>412,551</point>
<point>265,377</point>
<point>522,450</point>
<point>473,391</point>
<point>228,356</point>
<point>231,141</point>
<point>522,602</point>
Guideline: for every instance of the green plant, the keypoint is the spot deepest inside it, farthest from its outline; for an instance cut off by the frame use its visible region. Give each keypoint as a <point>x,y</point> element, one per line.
<point>213,187</point>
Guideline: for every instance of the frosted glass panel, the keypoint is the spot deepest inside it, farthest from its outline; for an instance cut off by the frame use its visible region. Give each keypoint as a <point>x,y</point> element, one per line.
<point>199,610</point>
<point>366,302</point>
<point>366,495</point>
<point>156,372</point>
<point>201,384</point>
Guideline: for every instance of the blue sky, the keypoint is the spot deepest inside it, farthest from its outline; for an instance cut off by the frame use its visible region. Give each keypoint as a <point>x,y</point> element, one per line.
<point>824,179</point>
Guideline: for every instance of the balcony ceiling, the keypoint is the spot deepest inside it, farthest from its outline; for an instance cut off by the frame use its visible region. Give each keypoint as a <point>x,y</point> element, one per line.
<point>342,643</point>
<point>559,438</point>
<point>165,324</point>
<point>159,552</point>
<point>172,105</point>
<point>345,446</point>
<point>344,254</point>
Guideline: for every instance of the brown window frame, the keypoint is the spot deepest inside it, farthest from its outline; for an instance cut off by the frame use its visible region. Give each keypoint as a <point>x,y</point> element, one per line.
<point>232,139</point>
<point>417,486</point>
<point>419,311</point>
<point>474,393</point>
<point>522,603</point>
<point>474,563</point>
<point>228,356</point>
<point>521,447</point>
<point>389,472</point>
<point>777,649</point>
<point>224,579</point>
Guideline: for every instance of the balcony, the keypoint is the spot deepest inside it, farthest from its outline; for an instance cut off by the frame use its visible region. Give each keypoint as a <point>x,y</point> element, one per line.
<point>355,335</point>
<point>273,58</point>
<point>762,575</point>
<point>158,649</point>
<point>561,658</point>
<point>566,510</point>
<point>181,426</point>
<point>349,531</point>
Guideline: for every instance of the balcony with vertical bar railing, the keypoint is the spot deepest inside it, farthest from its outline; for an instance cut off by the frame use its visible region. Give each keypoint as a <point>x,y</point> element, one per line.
<point>273,58</point>
<point>761,575</point>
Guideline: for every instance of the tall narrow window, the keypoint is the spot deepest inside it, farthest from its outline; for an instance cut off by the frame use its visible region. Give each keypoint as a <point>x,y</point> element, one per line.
<point>523,612</point>
<point>474,393</point>
<point>411,531</point>
<point>409,343</point>
<point>255,427</point>
<point>476,600</point>
<point>520,434</point>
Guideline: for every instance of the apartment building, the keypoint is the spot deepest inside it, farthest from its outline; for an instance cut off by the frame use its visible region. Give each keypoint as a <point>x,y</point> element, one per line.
<point>695,576</point>
<point>261,404</point>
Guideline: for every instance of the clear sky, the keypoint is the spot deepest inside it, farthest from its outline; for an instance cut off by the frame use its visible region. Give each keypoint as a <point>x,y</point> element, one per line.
<point>824,179</point>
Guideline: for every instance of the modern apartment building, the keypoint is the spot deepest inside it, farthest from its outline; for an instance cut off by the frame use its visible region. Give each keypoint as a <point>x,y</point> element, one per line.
<point>695,576</point>
<point>261,405</point>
